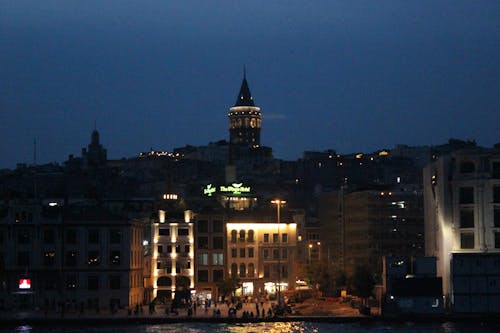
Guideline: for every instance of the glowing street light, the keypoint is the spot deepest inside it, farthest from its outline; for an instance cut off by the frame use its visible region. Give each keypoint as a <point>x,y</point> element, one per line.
<point>278,204</point>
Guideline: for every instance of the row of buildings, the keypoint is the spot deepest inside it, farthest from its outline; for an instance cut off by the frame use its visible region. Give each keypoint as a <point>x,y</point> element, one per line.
<point>97,233</point>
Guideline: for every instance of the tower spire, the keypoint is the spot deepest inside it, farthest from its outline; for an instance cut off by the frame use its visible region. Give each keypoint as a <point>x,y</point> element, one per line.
<point>244,72</point>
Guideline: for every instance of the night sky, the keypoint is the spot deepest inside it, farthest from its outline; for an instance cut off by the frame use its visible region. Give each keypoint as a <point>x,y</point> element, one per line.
<point>354,76</point>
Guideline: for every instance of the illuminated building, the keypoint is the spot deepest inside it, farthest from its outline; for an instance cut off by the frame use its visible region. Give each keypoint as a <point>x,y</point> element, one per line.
<point>260,251</point>
<point>172,251</point>
<point>245,119</point>
<point>462,227</point>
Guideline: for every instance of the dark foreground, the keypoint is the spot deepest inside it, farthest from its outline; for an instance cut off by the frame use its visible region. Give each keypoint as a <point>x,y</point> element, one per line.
<point>120,321</point>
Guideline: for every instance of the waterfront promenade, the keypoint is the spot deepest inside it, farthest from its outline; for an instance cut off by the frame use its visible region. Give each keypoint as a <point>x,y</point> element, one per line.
<point>310,309</point>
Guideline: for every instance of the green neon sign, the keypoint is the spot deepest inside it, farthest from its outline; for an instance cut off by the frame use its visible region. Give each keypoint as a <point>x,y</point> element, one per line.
<point>209,190</point>
<point>234,189</point>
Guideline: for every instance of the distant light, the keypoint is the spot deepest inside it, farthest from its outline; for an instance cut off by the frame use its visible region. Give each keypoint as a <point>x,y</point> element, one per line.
<point>53,204</point>
<point>145,243</point>
<point>24,283</point>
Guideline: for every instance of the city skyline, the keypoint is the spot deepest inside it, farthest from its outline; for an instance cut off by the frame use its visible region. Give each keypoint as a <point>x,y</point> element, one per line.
<point>350,77</point>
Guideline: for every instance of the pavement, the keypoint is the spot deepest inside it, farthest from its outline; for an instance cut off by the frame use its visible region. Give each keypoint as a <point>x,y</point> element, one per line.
<point>309,308</point>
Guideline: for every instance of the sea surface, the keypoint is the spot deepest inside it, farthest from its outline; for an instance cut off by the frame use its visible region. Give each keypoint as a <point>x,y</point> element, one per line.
<point>272,327</point>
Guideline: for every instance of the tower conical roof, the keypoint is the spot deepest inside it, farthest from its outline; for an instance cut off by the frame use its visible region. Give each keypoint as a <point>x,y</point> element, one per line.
<point>244,97</point>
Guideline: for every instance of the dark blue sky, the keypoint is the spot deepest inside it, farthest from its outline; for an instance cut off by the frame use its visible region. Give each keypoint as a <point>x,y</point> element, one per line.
<point>350,75</point>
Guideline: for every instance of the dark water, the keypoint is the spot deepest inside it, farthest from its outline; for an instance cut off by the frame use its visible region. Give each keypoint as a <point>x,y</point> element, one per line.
<point>295,327</point>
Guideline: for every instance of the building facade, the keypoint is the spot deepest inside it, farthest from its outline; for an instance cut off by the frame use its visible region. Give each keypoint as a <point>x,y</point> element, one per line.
<point>462,223</point>
<point>69,258</point>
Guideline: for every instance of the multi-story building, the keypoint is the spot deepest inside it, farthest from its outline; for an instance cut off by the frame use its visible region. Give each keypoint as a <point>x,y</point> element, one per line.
<point>261,251</point>
<point>462,227</point>
<point>360,227</point>
<point>74,257</point>
<point>210,252</point>
<point>172,261</point>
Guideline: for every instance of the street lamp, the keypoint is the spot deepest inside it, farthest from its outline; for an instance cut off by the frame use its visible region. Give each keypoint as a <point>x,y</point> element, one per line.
<point>278,204</point>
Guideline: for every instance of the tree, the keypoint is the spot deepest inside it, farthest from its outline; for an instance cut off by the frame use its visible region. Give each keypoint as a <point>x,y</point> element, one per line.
<point>228,286</point>
<point>362,282</point>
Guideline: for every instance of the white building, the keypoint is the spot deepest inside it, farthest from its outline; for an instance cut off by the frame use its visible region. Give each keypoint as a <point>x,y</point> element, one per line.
<point>462,227</point>
<point>172,261</point>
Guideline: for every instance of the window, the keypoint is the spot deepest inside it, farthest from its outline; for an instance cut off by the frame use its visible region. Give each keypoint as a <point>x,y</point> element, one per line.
<point>243,270</point>
<point>467,167</point>
<point>467,218</point>
<point>234,269</point>
<point>48,236</point>
<point>267,271</point>
<point>234,253</point>
<point>49,258</point>
<point>71,282</point>
<point>203,242</point>
<point>284,238</point>
<point>160,248</point>
<point>114,282</point>
<point>158,265</point>
<point>93,258</point>
<point>466,195</point>
<point>242,253</point>
<point>251,235</point>
<point>218,259</point>
<point>203,259</point>
<point>92,283</point>
<point>217,226</point>
<point>250,252</point>
<point>284,272</point>
<point>251,270</point>
<point>164,232</point>
<point>496,217</point>
<point>218,242</point>
<point>497,240</point>
<point>71,258</point>
<point>275,238</point>
<point>168,267</point>
<point>177,248</point>
<point>266,238</point>
<point>284,253</point>
<point>115,257</point>
<point>495,166</point>
<point>234,234</point>
<point>276,253</point>
<point>218,275</point>
<point>115,236</point>
<point>187,248</point>
<point>93,236</point>
<point>23,236</point>
<point>242,235</point>
<point>23,258</point>
<point>202,226</point>
<point>183,232</point>
<point>169,248</point>
<point>203,275</point>
<point>71,236</point>
<point>467,240</point>
<point>266,253</point>
<point>496,194</point>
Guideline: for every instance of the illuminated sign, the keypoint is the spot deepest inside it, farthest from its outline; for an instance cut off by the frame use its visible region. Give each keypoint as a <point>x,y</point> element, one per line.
<point>234,189</point>
<point>209,190</point>
<point>24,283</point>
